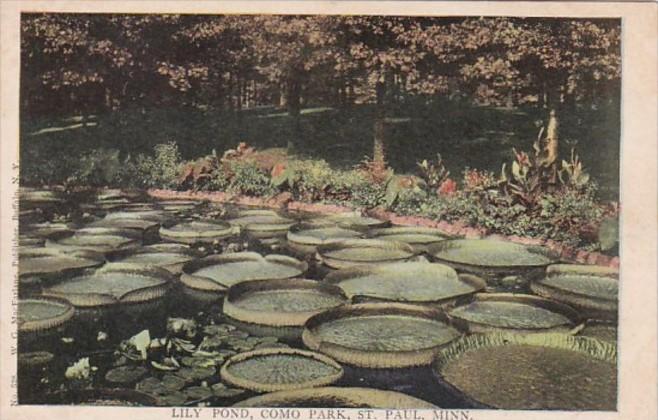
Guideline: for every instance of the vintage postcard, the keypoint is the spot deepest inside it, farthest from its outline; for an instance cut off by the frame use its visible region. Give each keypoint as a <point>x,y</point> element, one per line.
<point>328,210</point>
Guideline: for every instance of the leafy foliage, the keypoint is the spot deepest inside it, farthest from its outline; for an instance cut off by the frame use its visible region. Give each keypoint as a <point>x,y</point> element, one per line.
<point>162,170</point>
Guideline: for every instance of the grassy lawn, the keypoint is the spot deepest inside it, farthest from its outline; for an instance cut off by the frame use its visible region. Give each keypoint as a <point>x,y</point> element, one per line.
<point>475,137</point>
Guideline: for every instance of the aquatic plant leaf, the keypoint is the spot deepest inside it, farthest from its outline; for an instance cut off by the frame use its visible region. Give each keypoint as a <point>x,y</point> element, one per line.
<point>125,375</point>
<point>277,369</point>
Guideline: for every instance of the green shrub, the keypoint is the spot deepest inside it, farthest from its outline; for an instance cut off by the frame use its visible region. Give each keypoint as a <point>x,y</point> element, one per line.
<point>162,170</point>
<point>248,179</point>
<point>97,168</point>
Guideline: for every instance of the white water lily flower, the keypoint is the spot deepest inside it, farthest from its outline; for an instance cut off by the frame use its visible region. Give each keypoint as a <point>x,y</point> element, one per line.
<point>141,342</point>
<point>79,370</point>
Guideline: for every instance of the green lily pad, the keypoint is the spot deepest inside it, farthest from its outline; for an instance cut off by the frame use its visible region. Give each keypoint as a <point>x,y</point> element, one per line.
<point>337,397</point>
<point>516,312</point>
<point>218,272</point>
<point>278,369</point>
<point>173,399</point>
<point>152,386</point>
<point>35,315</point>
<point>172,382</point>
<point>278,303</point>
<point>379,335</point>
<point>418,237</point>
<point>349,253</point>
<point>532,371</point>
<point>195,374</point>
<point>222,391</point>
<point>409,282</point>
<point>125,375</point>
<point>34,359</point>
<point>303,234</point>
<point>196,393</point>
<point>489,253</point>
<point>594,293</point>
<point>112,284</point>
<point>197,231</point>
<point>55,263</point>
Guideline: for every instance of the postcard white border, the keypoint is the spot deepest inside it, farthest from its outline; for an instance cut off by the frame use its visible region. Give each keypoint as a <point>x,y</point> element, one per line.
<point>638,297</point>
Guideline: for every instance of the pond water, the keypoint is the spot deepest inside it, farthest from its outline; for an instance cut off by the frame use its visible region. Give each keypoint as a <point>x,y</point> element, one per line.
<point>101,334</point>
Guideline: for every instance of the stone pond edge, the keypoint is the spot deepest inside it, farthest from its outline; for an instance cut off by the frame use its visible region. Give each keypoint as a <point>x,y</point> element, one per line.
<point>284,201</point>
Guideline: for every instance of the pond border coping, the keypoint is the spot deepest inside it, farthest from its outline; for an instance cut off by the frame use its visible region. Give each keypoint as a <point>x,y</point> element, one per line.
<point>284,201</point>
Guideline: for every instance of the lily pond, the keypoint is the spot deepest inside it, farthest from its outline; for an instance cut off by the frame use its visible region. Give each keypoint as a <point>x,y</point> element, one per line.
<point>128,300</point>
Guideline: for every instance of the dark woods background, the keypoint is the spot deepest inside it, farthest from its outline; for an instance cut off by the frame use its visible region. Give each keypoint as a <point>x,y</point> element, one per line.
<point>323,85</point>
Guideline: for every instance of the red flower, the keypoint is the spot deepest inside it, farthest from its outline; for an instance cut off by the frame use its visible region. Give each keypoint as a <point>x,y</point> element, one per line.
<point>447,187</point>
<point>278,169</point>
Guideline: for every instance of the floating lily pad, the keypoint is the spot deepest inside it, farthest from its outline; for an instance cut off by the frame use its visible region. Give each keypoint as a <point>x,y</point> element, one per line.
<point>34,359</point>
<point>305,235</point>
<point>218,272</point>
<point>379,335</point>
<point>171,257</point>
<point>196,393</point>
<point>174,399</point>
<point>601,330</point>
<point>515,312</point>
<point>410,282</point>
<point>533,371</point>
<point>222,391</point>
<point>48,263</point>
<point>197,231</point>
<point>280,303</point>
<point>152,386</point>
<point>271,370</point>
<point>262,224</point>
<point>178,206</point>
<point>46,229</point>
<point>36,315</point>
<point>153,215</point>
<point>118,397</point>
<point>416,236</point>
<point>113,284</point>
<point>594,293</point>
<point>353,252</point>
<point>30,198</point>
<point>27,241</point>
<point>356,222</point>
<point>97,240</point>
<point>486,256</point>
<point>172,382</point>
<point>125,375</point>
<point>194,374</point>
<point>335,397</point>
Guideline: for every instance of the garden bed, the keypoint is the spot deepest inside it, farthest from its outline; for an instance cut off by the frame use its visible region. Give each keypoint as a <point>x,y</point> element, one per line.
<point>566,253</point>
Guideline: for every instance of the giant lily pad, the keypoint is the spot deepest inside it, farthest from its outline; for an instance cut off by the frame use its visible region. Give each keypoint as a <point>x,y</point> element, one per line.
<point>218,272</point>
<point>285,303</point>
<point>105,241</point>
<point>36,315</point>
<point>379,335</point>
<point>337,397</point>
<point>515,312</point>
<point>592,290</point>
<point>35,359</point>
<point>357,222</point>
<point>197,231</point>
<point>44,230</point>
<point>30,198</point>
<point>49,263</point>
<point>487,256</point>
<point>602,330</point>
<point>154,215</point>
<point>171,257</point>
<point>262,223</point>
<point>353,252</point>
<point>406,282</point>
<point>269,370</point>
<point>118,397</point>
<point>178,206</point>
<point>113,284</point>
<point>418,237</point>
<point>305,238</point>
<point>532,371</point>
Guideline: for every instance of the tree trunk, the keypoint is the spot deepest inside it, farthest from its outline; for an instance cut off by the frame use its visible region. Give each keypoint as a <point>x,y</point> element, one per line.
<point>294,104</point>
